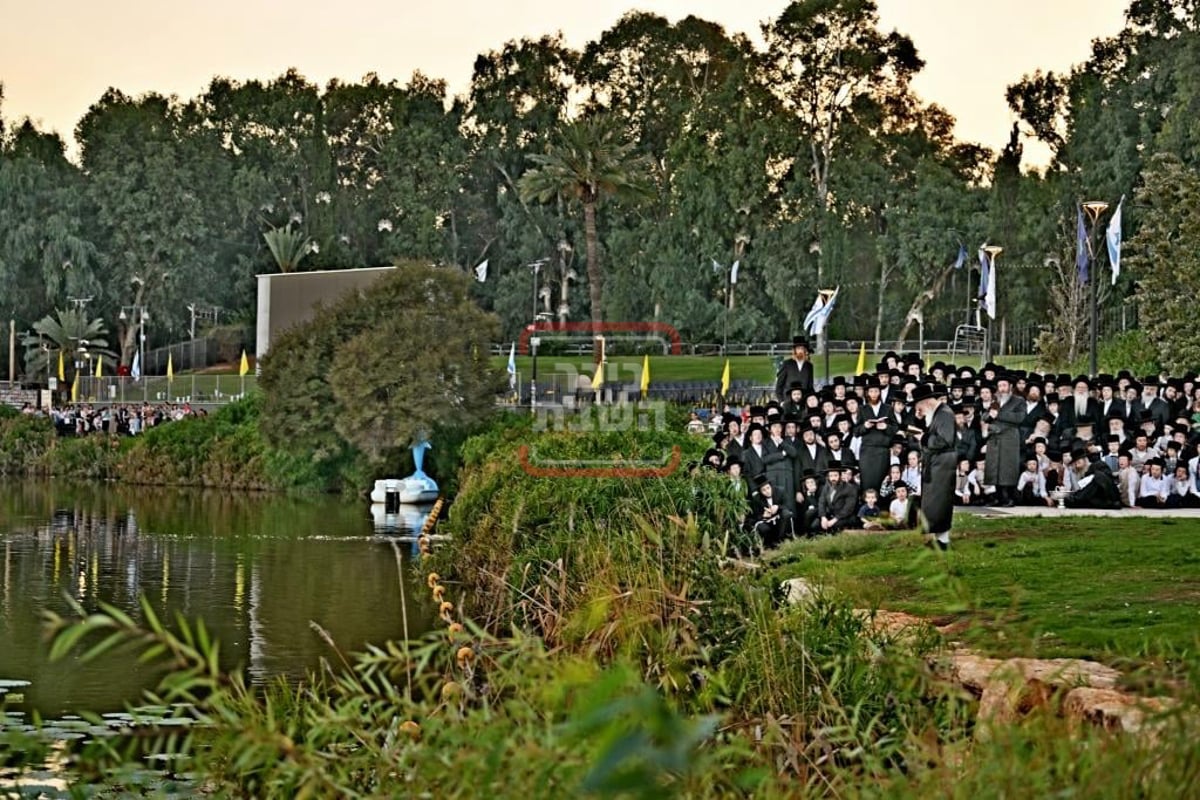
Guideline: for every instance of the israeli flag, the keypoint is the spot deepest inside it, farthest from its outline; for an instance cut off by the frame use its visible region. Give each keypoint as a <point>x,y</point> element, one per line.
<point>983,270</point>
<point>136,370</point>
<point>814,323</point>
<point>1112,237</point>
<point>512,365</point>
<point>481,271</point>
<point>733,272</point>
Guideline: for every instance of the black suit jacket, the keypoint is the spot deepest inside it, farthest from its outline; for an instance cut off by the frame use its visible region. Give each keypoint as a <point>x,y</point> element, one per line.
<point>790,372</point>
<point>840,503</point>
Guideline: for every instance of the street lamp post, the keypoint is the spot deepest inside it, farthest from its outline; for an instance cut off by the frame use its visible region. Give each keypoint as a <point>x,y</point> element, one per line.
<point>1094,209</point>
<point>139,316</point>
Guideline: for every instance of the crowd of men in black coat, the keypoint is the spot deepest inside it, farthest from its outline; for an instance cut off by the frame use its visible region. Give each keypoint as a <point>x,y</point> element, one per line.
<point>820,461</point>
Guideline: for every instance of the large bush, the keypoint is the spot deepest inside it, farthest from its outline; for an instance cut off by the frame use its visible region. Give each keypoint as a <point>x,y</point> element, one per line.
<point>377,370</point>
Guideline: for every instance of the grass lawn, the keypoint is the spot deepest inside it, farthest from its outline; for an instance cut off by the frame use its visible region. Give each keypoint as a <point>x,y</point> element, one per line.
<point>1124,591</point>
<point>760,369</point>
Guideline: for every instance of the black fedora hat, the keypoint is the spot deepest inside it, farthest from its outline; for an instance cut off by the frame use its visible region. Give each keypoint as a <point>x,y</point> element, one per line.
<point>926,391</point>
<point>799,341</point>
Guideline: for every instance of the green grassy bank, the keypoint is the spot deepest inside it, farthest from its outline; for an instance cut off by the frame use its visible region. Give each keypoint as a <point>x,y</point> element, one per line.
<point>1118,590</point>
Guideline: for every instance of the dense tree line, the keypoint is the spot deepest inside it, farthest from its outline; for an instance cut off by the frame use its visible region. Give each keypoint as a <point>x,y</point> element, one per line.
<point>808,160</point>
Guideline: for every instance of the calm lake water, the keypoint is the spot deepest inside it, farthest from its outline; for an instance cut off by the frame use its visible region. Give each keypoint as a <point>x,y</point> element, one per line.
<point>256,567</point>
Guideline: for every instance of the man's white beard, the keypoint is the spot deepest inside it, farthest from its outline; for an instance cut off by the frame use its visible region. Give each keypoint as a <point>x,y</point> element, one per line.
<point>1002,398</point>
<point>1081,405</point>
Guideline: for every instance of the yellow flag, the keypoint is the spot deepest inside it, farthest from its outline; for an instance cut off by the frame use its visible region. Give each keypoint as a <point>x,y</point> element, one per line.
<point>598,378</point>
<point>75,388</point>
<point>645,374</point>
<point>725,379</point>
<point>170,368</point>
<point>245,366</point>
<point>862,359</point>
<point>61,377</point>
<point>99,367</point>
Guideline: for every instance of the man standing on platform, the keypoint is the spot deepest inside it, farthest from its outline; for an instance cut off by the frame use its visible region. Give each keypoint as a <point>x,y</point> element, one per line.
<point>939,463</point>
<point>795,370</point>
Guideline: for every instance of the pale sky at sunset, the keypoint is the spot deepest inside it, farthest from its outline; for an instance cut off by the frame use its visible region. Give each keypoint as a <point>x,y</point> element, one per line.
<point>57,58</point>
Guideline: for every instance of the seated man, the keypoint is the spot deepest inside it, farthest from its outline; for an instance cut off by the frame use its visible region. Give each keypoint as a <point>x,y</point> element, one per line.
<point>1097,489</point>
<point>767,518</point>
<point>837,503</point>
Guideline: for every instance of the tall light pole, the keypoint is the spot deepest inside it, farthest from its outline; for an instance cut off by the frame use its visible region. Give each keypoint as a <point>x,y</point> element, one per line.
<point>1094,209</point>
<point>139,316</point>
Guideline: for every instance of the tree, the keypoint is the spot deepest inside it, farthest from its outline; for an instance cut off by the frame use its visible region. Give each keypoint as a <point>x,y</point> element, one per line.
<point>1164,255</point>
<point>70,333</point>
<point>832,67</point>
<point>423,366</point>
<point>375,369</point>
<point>587,164</point>
<point>288,247</point>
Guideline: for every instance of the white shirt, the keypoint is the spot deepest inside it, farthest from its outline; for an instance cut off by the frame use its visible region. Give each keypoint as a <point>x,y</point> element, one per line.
<point>1036,479</point>
<point>1153,487</point>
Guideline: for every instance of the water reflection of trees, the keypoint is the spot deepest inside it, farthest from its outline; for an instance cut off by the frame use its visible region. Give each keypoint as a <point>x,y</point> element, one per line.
<point>256,567</point>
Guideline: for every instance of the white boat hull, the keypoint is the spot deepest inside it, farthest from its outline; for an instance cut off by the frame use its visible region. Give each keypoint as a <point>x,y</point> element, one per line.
<point>407,490</point>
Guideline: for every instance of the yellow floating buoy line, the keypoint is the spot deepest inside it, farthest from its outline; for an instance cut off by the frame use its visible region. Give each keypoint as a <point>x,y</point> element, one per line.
<point>423,541</point>
<point>456,687</point>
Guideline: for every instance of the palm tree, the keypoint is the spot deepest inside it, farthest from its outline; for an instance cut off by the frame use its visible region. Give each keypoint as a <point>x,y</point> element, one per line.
<point>68,332</point>
<point>289,247</point>
<point>587,163</point>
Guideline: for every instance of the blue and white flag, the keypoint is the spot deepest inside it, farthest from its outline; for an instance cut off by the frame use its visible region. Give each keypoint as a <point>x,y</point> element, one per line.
<point>1081,246</point>
<point>136,370</point>
<point>962,257</point>
<point>822,307</point>
<point>983,270</point>
<point>512,366</point>
<point>1113,237</point>
<point>481,271</point>
<point>733,272</point>
<point>989,295</point>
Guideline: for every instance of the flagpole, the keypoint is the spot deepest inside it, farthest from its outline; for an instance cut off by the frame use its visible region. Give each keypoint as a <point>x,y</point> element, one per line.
<point>1094,209</point>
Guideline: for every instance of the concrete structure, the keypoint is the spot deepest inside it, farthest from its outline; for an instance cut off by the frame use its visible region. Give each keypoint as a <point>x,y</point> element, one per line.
<point>290,298</point>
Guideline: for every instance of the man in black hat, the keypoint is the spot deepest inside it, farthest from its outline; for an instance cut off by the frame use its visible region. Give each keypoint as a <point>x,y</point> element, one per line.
<point>875,430</point>
<point>754,453</point>
<point>837,504</point>
<point>939,462</point>
<point>1080,405</point>
<point>780,463</point>
<point>797,369</point>
<point>767,518</point>
<point>1097,489</point>
<point>1003,420</point>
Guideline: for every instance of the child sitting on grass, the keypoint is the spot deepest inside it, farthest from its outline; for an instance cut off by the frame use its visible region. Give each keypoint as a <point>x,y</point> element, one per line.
<point>869,512</point>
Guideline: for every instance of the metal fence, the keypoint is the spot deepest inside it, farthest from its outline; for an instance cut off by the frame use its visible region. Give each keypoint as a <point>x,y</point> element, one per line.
<point>191,388</point>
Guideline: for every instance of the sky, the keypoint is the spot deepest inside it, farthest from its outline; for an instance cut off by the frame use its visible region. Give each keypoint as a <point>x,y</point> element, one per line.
<point>56,59</point>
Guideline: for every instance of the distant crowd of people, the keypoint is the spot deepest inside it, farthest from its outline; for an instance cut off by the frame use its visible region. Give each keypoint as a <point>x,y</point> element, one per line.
<point>895,447</point>
<point>116,420</point>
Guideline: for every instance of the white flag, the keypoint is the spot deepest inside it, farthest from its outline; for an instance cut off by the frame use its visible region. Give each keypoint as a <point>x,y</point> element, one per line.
<point>136,370</point>
<point>1113,237</point>
<point>716,267</point>
<point>512,365</point>
<point>733,272</point>
<point>481,271</point>
<point>989,297</point>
